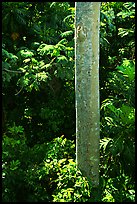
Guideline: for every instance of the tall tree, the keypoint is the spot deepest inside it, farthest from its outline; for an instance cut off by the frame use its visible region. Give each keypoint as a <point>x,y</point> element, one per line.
<point>87,20</point>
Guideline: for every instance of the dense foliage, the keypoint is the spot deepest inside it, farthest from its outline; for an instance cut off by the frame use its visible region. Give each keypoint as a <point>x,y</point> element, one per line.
<point>38,104</point>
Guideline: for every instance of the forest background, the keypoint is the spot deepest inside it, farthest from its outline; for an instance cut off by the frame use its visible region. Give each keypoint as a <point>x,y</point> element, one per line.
<point>38,104</point>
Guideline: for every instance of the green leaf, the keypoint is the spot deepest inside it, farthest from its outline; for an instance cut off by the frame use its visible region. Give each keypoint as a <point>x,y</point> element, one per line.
<point>127,69</point>
<point>27,60</point>
<point>41,76</point>
<point>62,58</point>
<point>123,32</point>
<point>110,121</point>
<point>62,161</point>
<point>127,114</point>
<point>63,41</point>
<point>25,53</point>
<point>45,49</point>
<point>66,33</point>
<point>14,165</point>
<point>104,142</point>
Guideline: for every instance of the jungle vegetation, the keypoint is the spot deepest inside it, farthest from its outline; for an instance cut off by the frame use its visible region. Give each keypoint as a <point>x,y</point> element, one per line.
<point>38,104</point>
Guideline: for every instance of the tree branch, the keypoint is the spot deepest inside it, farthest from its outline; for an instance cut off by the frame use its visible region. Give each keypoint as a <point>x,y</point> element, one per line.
<point>8,70</point>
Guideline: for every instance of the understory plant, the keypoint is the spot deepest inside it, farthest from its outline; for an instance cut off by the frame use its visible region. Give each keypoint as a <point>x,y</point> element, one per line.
<point>45,172</point>
<point>117,166</point>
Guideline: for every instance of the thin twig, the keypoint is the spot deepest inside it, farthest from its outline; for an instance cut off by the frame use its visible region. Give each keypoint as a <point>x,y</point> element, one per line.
<point>8,70</point>
<point>19,91</point>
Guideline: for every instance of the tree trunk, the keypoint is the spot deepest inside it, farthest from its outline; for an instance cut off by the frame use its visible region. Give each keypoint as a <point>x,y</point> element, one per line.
<point>87,21</point>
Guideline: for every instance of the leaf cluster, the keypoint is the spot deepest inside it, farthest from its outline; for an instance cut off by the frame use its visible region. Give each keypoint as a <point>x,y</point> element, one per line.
<point>46,172</point>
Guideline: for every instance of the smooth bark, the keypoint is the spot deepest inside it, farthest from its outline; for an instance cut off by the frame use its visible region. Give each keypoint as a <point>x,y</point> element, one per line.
<point>87,21</point>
